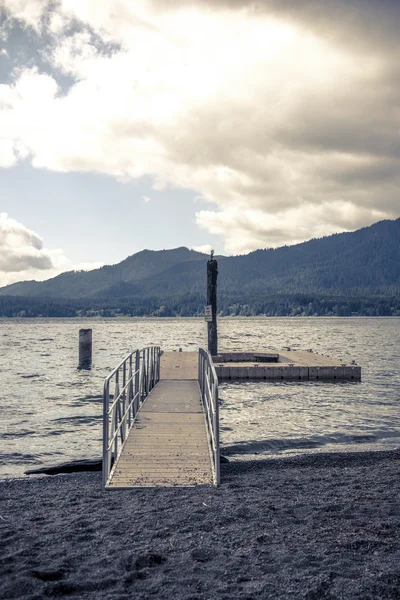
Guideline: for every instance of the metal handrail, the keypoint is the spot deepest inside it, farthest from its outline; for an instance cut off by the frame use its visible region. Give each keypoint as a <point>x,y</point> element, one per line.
<point>208,382</point>
<point>125,390</point>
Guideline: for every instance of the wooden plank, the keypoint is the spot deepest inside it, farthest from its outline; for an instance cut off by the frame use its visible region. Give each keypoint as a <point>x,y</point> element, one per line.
<point>164,476</point>
<point>169,475</point>
<point>151,484</point>
<point>151,474</point>
<point>173,396</point>
<point>179,365</point>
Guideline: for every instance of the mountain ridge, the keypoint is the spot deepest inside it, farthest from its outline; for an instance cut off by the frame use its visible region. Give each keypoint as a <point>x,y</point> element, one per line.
<point>367,259</point>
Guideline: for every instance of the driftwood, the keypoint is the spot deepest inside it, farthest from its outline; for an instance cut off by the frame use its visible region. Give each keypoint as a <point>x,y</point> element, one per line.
<point>77,466</point>
<point>74,466</point>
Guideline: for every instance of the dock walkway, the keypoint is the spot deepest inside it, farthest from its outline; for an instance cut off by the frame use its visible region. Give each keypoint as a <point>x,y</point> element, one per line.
<point>168,443</point>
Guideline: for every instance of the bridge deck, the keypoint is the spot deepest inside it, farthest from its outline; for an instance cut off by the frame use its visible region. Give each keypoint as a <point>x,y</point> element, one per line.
<point>168,445</point>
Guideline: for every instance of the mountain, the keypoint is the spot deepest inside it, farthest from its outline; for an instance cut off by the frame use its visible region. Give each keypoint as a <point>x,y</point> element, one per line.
<point>100,282</point>
<point>361,263</point>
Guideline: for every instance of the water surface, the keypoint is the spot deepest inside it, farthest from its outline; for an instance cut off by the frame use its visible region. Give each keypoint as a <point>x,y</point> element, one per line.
<point>51,412</point>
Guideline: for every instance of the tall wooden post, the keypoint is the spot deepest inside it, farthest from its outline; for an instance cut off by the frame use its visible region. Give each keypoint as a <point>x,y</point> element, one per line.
<point>85,349</point>
<point>212,274</point>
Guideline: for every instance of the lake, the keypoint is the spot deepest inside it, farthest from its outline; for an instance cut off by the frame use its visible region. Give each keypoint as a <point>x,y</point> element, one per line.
<point>51,412</point>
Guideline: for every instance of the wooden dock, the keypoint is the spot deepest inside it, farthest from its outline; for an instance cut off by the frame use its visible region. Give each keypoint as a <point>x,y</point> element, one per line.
<point>161,411</point>
<point>287,365</point>
<point>168,444</point>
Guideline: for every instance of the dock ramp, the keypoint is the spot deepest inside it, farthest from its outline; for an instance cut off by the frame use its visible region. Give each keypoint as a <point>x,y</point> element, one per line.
<point>161,421</point>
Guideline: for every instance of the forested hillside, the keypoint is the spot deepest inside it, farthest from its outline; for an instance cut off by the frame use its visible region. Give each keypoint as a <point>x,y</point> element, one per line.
<point>346,273</point>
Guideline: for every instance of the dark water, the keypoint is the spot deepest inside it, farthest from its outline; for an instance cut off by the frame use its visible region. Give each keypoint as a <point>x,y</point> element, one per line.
<point>51,412</point>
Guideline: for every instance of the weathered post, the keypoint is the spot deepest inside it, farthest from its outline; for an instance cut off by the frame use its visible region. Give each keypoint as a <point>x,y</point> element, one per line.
<point>85,349</point>
<point>212,274</point>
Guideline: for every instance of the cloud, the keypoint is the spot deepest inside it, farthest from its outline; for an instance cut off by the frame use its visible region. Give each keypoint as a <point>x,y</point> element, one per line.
<point>146,199</point>
<point>20,247</point>
<point>27,11</point>
<point>204,249</point>
<point>283,116</point>
<point>23,257</point>
<point>85,266</point>
<point>247,229</point>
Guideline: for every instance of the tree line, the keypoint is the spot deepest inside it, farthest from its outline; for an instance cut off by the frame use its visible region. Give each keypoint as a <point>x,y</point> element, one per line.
<point>192,305</point>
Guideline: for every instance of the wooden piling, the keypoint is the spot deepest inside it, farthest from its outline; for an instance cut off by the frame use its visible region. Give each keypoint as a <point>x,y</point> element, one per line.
<point>85,349</point>
<point>212,274</point>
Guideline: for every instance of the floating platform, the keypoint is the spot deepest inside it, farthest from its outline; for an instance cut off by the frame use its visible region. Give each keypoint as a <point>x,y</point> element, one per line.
<point>284,365</point>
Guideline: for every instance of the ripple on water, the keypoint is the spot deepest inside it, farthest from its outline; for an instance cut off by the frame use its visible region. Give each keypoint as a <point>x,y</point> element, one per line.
<point>17,434</point>
<point>43,407</point>
<point>79,419</point>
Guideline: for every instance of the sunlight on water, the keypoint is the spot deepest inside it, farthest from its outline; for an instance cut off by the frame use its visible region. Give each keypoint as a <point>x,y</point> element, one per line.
<point>52,412</point>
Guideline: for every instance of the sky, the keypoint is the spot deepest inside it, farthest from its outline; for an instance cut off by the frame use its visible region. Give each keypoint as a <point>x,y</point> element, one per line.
<point>229,124</point>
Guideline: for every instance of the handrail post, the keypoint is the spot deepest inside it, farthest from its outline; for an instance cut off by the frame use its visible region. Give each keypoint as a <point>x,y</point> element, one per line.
<point>106,404</point>
<point>137,384</point>
<point>216,432</point>
<point>157,359</point>
<point>148,371</point>
<point>143,375</point>
<point>199,368</point>
<point>140,377</point>
<point>199,371</point>
<point>123,426</point>
<point>145,381</point>
<point>204,374</point>
<point>152,366</point>
<point>115,415</point>
<point>146,375</point>
<point>131,414</point>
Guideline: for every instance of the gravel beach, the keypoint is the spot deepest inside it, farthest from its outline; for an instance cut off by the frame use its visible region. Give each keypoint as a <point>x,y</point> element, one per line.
<point>313,527</point>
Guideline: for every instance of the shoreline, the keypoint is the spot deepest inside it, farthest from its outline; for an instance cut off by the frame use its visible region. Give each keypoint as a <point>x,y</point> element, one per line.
<point>193,317</point>
<point>313,526</point>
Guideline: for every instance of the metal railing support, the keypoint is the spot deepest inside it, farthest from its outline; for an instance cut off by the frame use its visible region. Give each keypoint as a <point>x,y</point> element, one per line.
<point>125,390</point>
<point>136,395</point>
<point>208,382</point>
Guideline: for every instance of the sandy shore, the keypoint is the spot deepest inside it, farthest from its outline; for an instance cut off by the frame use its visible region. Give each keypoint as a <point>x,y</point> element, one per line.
<point>311,527</point>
